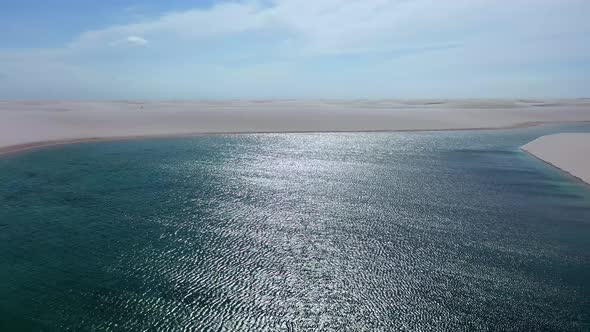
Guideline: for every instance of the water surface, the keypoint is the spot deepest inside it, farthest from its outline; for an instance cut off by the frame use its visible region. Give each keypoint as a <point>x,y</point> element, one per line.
<point>432,231</point>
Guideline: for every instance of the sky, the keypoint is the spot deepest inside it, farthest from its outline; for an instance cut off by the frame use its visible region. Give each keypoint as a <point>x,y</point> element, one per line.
<point>272,49</point>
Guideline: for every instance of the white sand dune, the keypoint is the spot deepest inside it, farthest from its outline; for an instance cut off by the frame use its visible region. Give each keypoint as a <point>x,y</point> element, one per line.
<point>29,123</point>
<point>568,152</point>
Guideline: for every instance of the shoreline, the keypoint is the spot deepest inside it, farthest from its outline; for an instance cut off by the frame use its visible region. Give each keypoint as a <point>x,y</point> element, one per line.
<point>32,146</point>
<point>568,153</point>
<point>560,170</point>
<point>27,125</point>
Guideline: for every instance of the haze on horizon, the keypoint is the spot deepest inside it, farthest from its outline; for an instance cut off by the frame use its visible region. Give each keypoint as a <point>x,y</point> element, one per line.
<point>251,49</point>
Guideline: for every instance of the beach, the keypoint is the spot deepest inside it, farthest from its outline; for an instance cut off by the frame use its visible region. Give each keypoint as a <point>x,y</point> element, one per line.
<point>31,124</point>
<point>569,152</point>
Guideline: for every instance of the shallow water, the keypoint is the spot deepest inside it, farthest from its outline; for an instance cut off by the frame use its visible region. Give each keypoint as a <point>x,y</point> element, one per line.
<point>445,231</point>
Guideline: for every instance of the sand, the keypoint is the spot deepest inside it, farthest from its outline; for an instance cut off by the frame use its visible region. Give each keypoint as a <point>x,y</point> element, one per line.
<point>28,124</point>
<point>568,152</point>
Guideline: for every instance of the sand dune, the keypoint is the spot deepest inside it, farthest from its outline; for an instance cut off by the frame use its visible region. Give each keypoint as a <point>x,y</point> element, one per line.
<point>568,152</point>
<point>27,123</point>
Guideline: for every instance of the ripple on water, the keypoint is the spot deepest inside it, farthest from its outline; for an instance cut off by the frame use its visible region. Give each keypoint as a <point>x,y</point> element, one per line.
<point>415,232</point>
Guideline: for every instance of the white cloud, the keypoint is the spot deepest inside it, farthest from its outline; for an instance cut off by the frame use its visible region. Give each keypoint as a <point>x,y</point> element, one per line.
<point>345,26</point>
<point>319,26</point>
<point>271,45</point>
<point>191,24</point>
<point>136,41</point>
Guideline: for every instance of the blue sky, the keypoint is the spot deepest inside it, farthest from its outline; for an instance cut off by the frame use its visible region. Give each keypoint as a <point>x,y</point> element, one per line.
<point>184,49</point>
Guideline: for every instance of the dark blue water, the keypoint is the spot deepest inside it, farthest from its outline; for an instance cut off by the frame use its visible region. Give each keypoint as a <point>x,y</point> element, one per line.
<point>446,231</point>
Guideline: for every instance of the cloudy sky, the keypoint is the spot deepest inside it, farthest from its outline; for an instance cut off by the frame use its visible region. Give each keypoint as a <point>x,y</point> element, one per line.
<point>180,49</point>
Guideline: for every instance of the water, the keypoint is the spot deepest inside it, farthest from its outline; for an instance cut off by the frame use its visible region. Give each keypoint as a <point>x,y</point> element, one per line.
<point>447,231</point>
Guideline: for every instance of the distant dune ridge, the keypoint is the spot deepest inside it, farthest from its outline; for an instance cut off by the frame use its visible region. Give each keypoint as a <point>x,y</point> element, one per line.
<point>568,152</point>
<point>25,124</point>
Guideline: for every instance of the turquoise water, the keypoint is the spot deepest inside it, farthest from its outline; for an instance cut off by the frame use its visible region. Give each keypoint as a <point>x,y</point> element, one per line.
<point>446,231</point>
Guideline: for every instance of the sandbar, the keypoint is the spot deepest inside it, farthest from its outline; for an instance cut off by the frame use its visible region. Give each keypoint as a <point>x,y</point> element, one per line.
<point>569,152</point>
<point>29,124</point>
